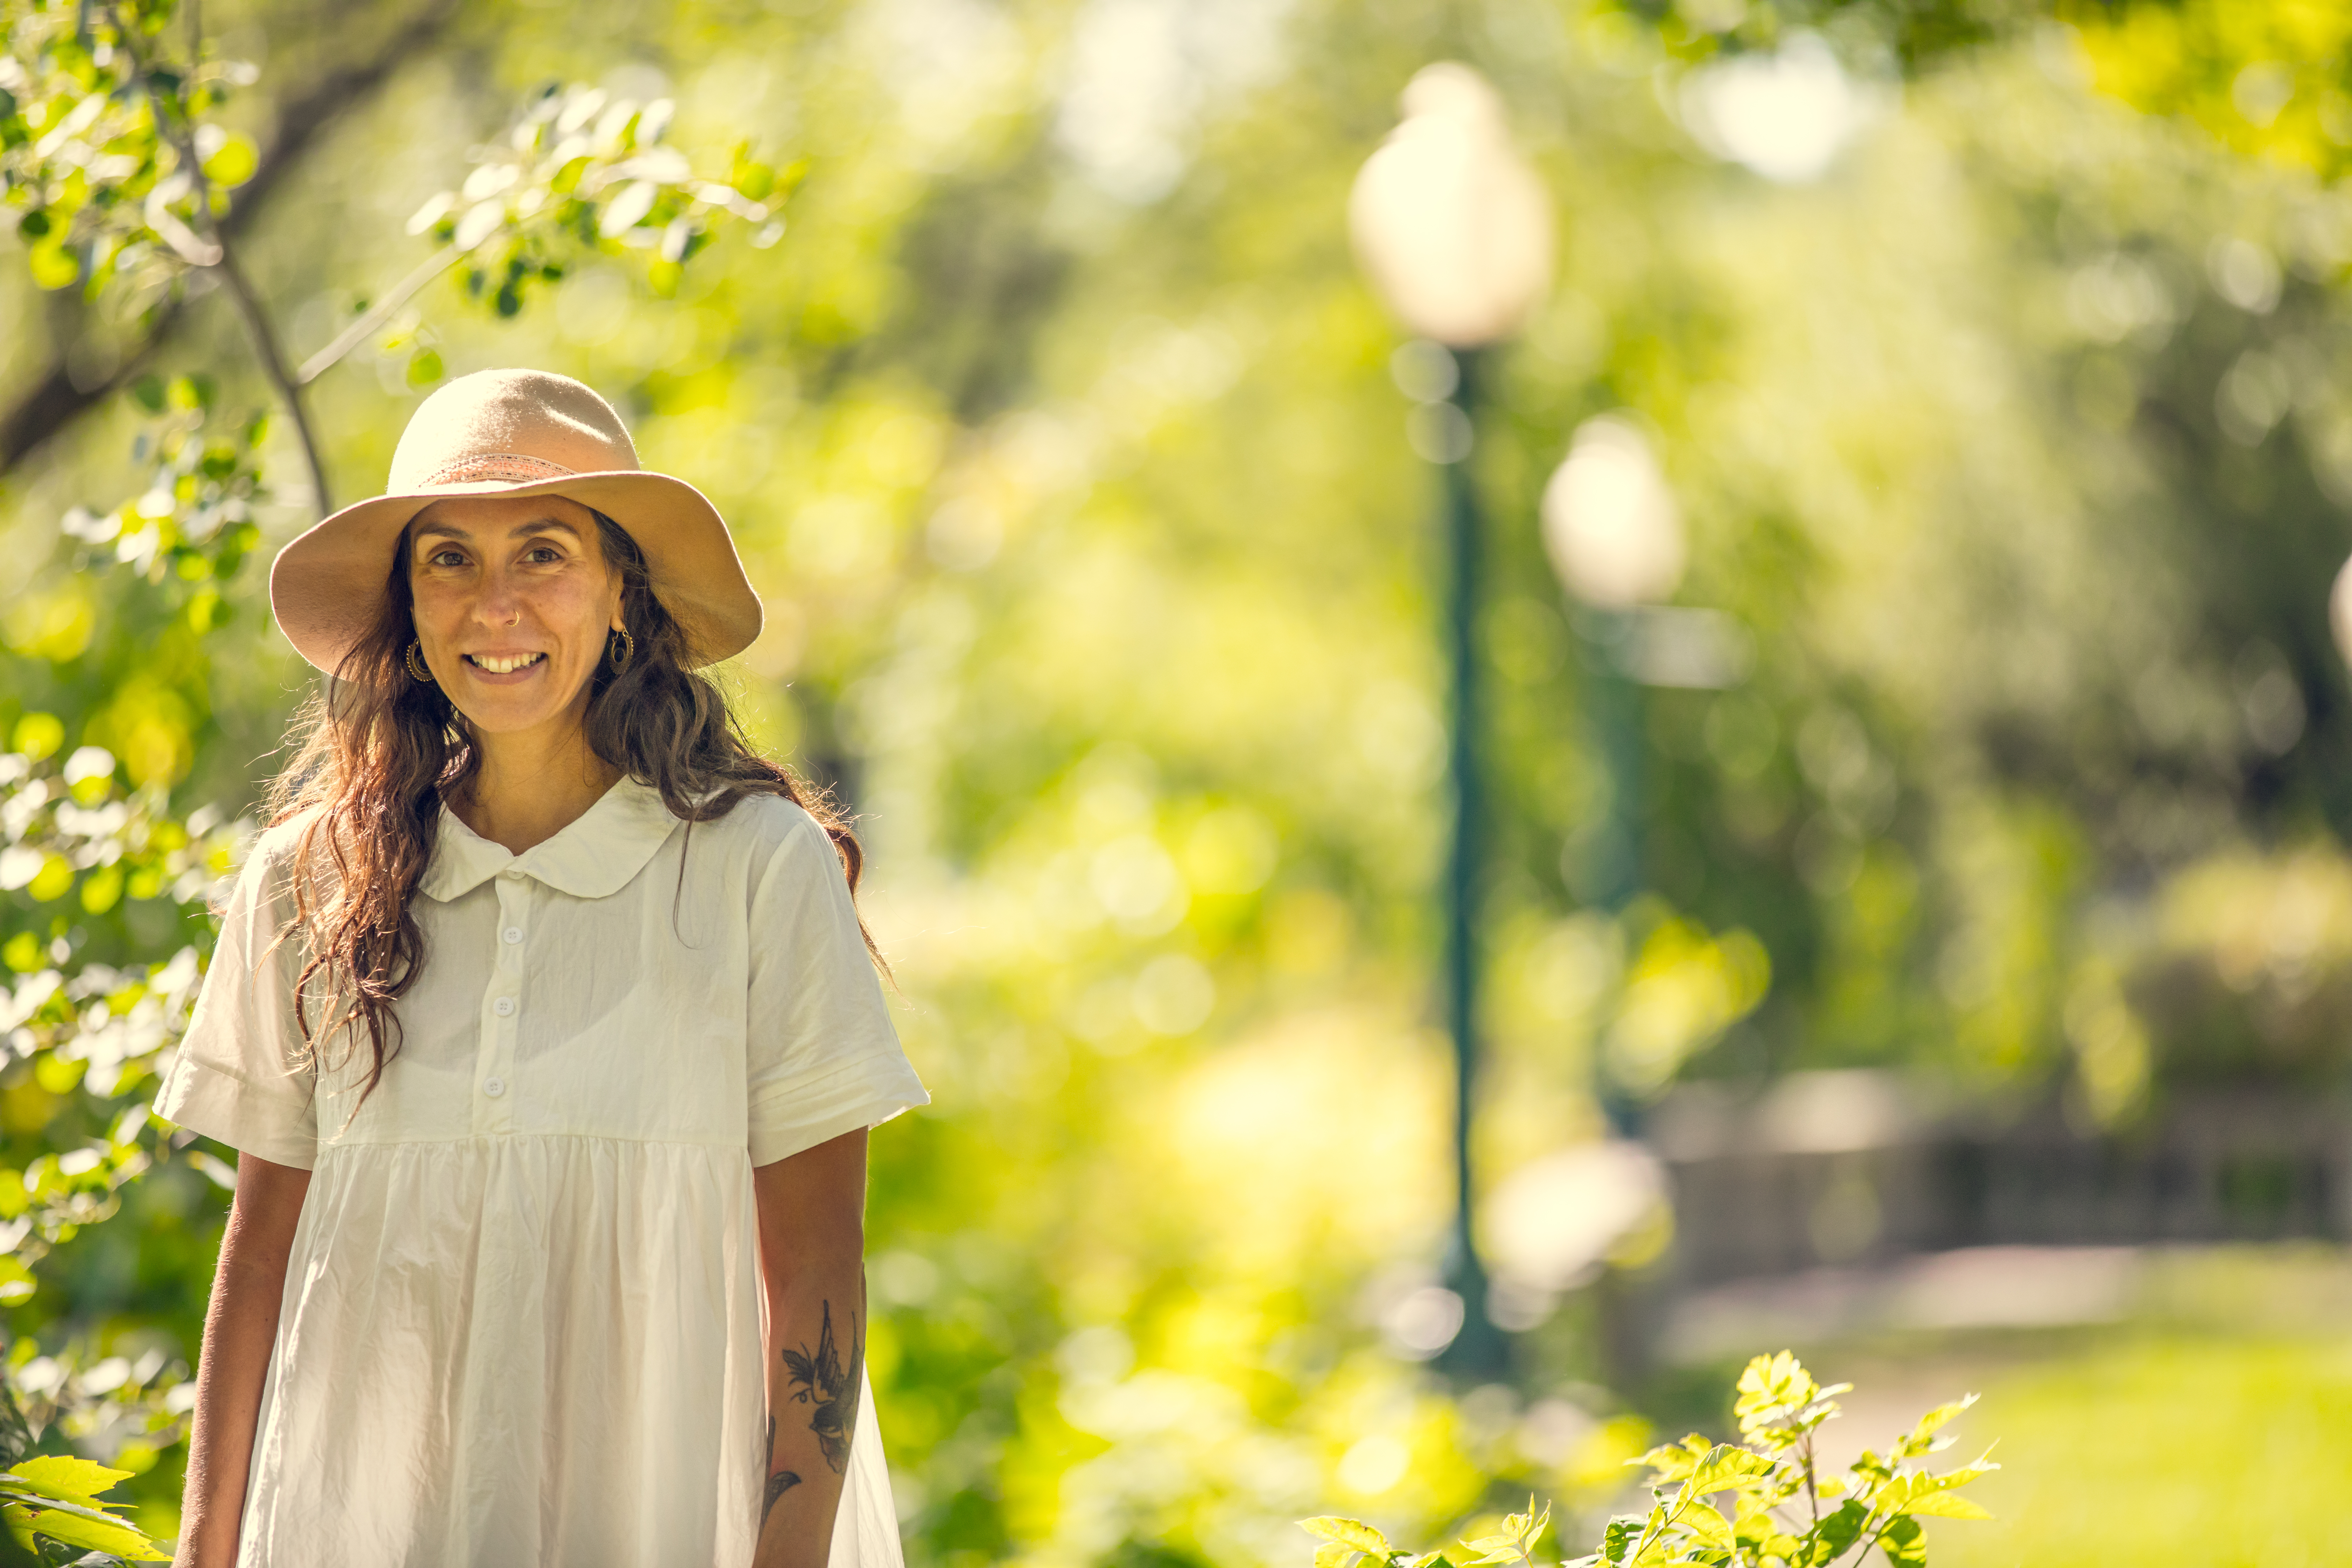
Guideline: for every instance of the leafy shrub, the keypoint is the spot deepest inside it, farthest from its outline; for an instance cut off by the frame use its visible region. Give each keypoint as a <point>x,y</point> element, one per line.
<point>1759,1502</point>
<point>51,1510</point>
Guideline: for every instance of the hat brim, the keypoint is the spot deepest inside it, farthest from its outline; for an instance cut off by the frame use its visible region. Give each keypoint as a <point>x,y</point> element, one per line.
<point>327,586</point>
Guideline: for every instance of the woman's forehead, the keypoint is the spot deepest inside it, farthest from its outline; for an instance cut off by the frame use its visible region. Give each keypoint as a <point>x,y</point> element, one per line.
<point>491,516</point>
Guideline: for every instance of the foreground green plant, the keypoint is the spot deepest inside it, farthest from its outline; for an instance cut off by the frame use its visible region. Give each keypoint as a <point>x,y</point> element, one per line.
<point>1758,1502</point>
<point>52,1511</point>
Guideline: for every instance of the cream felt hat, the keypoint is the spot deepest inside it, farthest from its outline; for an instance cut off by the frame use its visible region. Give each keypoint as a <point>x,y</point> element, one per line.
<point>515,433</point>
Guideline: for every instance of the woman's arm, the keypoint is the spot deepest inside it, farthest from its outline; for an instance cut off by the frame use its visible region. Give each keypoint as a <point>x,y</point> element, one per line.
<point>812,1269</point>
<point>239,1328</point>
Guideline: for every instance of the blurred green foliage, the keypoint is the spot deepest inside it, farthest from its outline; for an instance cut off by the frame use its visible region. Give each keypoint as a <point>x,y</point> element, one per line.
<point>1767,1498</point>
<point>1058,433</point>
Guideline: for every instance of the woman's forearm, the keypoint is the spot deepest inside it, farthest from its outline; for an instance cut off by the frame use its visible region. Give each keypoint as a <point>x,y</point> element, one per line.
<point>816,1363</point>
<point>812,1277</point>
<point>240,1326</point>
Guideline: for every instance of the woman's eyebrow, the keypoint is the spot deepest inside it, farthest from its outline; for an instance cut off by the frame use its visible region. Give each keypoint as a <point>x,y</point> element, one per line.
<point>541,525</point>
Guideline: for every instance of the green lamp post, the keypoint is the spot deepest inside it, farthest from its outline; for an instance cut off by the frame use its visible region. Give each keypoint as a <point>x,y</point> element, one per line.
<point>1454,231</point>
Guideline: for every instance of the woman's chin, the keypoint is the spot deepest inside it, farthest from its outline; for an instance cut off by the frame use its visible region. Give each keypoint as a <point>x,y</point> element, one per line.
<point>510,709</point>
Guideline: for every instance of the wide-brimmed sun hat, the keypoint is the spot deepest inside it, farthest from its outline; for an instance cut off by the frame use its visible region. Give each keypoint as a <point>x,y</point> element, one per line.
<point>516,433</point>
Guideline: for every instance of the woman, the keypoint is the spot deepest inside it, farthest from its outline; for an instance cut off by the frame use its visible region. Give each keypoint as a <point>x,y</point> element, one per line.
<point>546,1029</point>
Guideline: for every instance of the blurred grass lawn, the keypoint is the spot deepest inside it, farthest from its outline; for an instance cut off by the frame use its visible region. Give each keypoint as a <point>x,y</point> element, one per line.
<point>2157,1449</point>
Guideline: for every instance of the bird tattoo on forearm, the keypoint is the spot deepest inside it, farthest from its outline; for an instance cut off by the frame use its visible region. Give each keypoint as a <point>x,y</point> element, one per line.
<point>829,1387</point>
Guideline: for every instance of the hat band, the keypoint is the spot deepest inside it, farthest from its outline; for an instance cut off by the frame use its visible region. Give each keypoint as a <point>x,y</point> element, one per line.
<point>512,466</point>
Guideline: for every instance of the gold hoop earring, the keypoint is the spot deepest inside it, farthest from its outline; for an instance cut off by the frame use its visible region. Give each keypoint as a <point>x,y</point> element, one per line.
<point>416,666</point>
<point>628,649</point>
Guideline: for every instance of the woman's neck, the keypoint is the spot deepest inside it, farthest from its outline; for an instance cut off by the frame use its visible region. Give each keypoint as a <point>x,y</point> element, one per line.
<point>533,785</point>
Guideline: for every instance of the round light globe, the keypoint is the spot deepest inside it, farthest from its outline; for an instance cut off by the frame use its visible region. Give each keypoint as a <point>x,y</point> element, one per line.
<point>1450,223</point>
<point>1609,523</point>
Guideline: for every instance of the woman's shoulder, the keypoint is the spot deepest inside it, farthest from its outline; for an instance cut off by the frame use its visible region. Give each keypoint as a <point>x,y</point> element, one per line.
<point>265,872</point>
<point>279,844</point>
<point>765,823</point>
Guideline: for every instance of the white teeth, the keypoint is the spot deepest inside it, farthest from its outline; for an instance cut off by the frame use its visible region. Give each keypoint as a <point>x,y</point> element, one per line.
<point>504,665</point>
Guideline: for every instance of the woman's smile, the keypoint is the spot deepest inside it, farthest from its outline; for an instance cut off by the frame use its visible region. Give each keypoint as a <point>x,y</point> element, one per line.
<point>506,668</point>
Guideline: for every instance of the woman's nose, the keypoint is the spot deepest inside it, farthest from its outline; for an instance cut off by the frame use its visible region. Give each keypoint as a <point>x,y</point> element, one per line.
<point>500,604</point>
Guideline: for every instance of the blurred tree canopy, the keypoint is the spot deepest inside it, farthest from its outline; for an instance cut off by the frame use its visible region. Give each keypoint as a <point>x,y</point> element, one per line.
<point>2008,424</point>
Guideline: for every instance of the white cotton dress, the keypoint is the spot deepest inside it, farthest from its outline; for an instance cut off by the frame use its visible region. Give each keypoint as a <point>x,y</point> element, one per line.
<point>522,1315</point>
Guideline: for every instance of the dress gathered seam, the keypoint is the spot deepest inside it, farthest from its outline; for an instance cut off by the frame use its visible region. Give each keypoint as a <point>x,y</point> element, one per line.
<point>519,1137</point>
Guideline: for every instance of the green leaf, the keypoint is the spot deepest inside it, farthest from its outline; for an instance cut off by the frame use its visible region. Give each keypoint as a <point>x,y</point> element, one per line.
<point>1923,1435</point>
<point>1705,1521</point>
<point>1353,1534</point>
<point>1946,1505</point>
<point>424,367</point>
<point>1777,1394</point>
<point>75,1529</point>
<point>38,736</point>
<point>1673,1461</point>
<point>1727,1466</point>
<point>1837,1532</point>
<point>1904,1543</point>
<point>1333,1554</point>
<point>53,264</point>
<point>232,163</point>
<point>627,210</point>
<point>1902,1494</point>
<point>755,181</point>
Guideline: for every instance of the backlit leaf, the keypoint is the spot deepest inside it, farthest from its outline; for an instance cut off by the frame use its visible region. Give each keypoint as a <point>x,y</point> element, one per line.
<point>232,163</point>
<point>1947,1505</point>
<point>76,1530</point>
<point>1350,1532</point>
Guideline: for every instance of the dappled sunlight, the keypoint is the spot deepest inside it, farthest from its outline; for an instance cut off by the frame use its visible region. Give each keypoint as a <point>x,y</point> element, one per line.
<point>1910,449</point>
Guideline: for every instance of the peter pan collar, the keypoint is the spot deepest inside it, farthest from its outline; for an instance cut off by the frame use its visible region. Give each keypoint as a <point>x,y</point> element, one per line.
<point>595,856</point>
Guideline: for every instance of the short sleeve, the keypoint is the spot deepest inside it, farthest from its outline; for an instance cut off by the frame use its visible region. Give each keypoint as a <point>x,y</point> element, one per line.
<point>239,1075</point>
<point>823,1058</point>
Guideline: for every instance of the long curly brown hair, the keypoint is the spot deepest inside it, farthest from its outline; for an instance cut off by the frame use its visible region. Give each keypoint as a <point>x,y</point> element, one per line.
<point>377,751</point>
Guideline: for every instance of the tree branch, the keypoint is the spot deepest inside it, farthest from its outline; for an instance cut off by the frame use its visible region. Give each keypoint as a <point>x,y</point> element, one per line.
<point>266,349</point>
<point>423,272</point>
<point>53,401</point>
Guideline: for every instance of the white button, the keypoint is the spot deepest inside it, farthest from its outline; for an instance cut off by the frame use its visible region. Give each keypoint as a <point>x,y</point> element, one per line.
<point>494,1087</point>
<point>513,934</point>
<point>512,874</point>
<point>503,1007</point>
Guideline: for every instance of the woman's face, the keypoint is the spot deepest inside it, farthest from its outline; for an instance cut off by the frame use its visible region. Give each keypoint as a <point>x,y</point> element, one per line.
<point>513,603</point>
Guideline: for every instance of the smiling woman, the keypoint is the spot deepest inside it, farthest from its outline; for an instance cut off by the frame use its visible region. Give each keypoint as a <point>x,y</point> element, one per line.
<point>547,1245</point>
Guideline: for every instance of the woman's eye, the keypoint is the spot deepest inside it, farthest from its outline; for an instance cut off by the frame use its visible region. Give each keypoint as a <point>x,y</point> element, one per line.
<point>544,554</point>
<point>447,558</point>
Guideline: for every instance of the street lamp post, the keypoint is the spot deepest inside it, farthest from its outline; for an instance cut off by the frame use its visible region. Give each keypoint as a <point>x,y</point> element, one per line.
<point>1454,231</point>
